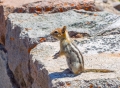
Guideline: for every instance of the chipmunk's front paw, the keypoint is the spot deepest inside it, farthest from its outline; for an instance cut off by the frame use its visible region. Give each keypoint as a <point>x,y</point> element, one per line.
<point>56,55</point>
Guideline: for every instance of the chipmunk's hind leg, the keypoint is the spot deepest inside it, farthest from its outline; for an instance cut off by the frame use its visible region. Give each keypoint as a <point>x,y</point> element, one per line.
<point>77,69</point>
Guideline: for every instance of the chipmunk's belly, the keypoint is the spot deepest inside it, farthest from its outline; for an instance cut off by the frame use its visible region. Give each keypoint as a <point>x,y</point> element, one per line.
<point>74,64</point>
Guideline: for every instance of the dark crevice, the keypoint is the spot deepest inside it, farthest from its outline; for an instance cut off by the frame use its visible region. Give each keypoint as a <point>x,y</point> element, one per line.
<point>2,48</point>
<point>9,72</point>
<point>74,34</point>
<point>11,76</point>
<point>30,79</point>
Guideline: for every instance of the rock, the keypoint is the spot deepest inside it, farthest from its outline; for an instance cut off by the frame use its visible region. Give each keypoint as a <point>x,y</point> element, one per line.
<point>107,5</point>
<point>27,73</point>
<point>34,65</point>
<point>91,83</point>
<point>98,52</point>
<point>47,6</point>
<point>4,77</point>
<point>38,6</point>
<point>51,6</point>
<point>92,23</point>
<point>117,6</point>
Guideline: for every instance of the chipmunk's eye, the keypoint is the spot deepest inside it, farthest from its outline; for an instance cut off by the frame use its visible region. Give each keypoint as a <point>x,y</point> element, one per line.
<point>56,32</point>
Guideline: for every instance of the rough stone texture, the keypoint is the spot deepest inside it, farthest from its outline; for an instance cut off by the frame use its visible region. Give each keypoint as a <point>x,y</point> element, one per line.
<point>92,23</point>
<point>108,6</point>
<point>53,6</point>
<point>101,53</point>
<point>38,6</point>
<point>26,72</point>
<point>34,65</point>
<point>4,78</point>
<point>48,6</point>
<point>97,83</point>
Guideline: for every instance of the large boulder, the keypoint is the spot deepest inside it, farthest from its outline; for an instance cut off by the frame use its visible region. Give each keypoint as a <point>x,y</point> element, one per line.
<point>48,6</point>
<point>32,63</point>
<point>92,23</point>
<point>38,6</point>
<point>98,53</point>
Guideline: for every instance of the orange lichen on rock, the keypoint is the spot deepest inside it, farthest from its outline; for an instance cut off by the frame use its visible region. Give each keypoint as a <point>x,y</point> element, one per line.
<point>78,7</point>
<point>86,8</point>
<point>48,9</point>
<point>61,9</point>
<point>35,14</point>
<point>91,86</point>
<point>42,39</point>
<point>20,10</point>
<point>68,83</point>
<point>95,15</point>
<point>72,5</point>
<point>27,29</point>
<point>65,4</point>
<point>31,47</point>
<point>38,9</point>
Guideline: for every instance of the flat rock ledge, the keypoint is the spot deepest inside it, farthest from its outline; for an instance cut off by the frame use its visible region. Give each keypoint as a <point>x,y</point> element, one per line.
<point>94,58</point>
<point>33,64</point>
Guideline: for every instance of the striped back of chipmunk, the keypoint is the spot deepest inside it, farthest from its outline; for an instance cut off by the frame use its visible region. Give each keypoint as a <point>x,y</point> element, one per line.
<point>73,54</point>
<point>78,53</point>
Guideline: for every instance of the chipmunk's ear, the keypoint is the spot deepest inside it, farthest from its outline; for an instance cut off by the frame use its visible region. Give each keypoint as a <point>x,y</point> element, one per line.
<point>63,29</point>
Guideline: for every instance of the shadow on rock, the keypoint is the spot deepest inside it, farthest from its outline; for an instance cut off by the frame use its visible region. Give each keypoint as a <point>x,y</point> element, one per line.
<point>65,73</point>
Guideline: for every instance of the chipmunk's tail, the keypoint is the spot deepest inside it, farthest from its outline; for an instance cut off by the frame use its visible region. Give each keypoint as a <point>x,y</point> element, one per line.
<point>98,70</point>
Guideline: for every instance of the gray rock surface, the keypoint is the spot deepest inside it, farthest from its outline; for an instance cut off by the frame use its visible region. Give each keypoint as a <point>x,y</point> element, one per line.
<point>100,44</point>
<point>38,7</point>
<point>27,73</point>
<point>4,78</point>
<point>117,6</point>
<point>33,65</point>
<point>101,53</point>
<point>40,26</point>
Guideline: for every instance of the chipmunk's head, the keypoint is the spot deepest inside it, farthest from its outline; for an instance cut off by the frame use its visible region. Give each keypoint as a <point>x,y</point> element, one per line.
<point>60,33</point>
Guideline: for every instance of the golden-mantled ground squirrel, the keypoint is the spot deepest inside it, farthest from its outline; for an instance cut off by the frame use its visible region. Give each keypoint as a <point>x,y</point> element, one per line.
<point>74,57</point>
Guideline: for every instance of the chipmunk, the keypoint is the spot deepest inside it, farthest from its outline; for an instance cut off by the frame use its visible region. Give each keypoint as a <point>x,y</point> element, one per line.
<point>74,57</point>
